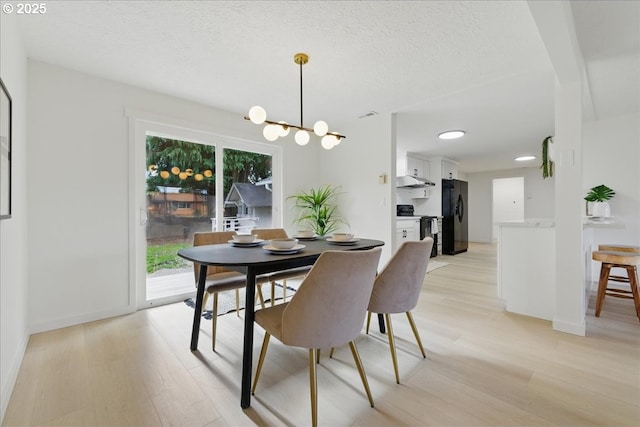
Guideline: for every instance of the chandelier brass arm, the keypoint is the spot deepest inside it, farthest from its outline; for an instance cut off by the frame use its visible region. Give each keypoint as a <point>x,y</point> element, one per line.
<point>286,126</point>
<point>274,130</point>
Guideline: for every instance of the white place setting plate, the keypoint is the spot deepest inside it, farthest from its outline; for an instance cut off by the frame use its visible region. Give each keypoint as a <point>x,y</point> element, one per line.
<point>306,238</point>
<point>600,218</point>
<point>275,250</point>
<point>246,245</point>
<point>342,242</point>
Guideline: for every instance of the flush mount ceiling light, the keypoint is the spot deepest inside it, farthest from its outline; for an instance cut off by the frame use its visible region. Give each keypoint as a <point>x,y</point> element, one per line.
<point>451,134</point>
<point>524,158</point>
<point>275,129</point>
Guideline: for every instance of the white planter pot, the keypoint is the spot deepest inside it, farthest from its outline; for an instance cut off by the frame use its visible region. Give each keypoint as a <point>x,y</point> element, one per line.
<point>601,209</point>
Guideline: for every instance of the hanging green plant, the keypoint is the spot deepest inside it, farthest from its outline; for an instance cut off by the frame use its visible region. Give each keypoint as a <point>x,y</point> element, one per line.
<point>547,163</point>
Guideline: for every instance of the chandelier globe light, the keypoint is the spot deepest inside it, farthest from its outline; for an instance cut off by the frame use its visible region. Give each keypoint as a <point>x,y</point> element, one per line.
<point>277,129</point>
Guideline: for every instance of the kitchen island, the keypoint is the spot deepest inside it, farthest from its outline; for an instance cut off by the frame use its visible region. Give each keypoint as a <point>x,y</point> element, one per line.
<point>527,267</point>
<point>526,264</point>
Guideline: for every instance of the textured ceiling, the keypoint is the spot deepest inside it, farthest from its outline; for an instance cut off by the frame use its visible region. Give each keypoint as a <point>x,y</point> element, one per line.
<point>479,66</point>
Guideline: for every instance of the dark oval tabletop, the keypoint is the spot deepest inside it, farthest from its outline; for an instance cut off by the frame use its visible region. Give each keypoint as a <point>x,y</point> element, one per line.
<point>230,255</point>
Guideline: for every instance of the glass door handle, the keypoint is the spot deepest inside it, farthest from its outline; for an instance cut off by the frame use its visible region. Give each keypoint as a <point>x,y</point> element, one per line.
<point>143,216</point>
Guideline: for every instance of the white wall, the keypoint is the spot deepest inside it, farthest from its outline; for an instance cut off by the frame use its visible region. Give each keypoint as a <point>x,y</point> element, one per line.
<point>539,196</point>
<point>14,330</point>
<point>79,212</point>
<point>356,164</point>
<point>611,156</point>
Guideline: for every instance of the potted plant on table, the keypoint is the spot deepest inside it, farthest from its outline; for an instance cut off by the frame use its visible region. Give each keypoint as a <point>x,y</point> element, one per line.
<point>318,210</point>
<point>598,196</point>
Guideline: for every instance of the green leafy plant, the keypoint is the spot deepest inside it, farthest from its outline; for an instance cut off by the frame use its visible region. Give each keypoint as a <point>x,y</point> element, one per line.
<point>600,193</point>
<point>547,163</point>
<point>318,210</point>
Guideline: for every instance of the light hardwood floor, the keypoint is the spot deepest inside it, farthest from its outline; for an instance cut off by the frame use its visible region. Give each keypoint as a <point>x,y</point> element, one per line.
<point>485,367</point>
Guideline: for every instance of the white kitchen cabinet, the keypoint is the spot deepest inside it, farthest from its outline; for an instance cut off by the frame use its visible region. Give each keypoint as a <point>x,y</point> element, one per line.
<point>413,166</point>
<point>449,170</point>
<point>421,193</point>
<point>407,230</point>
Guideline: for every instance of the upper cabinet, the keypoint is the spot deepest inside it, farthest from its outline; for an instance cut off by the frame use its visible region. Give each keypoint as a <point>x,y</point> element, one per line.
<point>449,170</point>
<point>413,166</point>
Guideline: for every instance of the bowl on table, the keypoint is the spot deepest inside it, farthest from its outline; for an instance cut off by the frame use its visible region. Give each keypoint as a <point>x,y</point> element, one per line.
<point>307,234</point>
<point>284,243</point>
<point>244,238</point>
<point>342,237</point>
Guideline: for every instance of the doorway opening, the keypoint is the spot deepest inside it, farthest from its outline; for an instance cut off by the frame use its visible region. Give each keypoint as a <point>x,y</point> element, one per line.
<point>508,201</point>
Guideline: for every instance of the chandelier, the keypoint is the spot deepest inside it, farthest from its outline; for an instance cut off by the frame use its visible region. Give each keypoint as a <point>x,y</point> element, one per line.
<point>274,130</point>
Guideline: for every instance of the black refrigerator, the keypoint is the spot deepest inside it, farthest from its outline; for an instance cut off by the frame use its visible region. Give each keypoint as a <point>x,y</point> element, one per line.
<point>455,227</point>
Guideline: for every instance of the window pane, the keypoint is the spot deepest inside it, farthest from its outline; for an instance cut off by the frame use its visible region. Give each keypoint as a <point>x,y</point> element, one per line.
<point>248,198</point>
<point>180,201</point>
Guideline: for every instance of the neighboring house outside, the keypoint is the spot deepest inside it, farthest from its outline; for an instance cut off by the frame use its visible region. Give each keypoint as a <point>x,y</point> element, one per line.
<point>252,202</point>
<point>168,201</point>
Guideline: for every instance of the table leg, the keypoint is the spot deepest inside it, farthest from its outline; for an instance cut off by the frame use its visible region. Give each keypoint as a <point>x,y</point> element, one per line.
<point>381,323</point>
<point>247,352</point>
<point>197,311</point>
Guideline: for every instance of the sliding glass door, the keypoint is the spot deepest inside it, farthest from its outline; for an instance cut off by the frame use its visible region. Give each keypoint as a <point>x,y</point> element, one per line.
<point>191,181</point>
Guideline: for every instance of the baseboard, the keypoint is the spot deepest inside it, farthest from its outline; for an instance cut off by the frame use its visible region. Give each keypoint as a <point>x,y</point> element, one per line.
<point>80,319</point>
<point>12,376</point>
<point>570,328</point>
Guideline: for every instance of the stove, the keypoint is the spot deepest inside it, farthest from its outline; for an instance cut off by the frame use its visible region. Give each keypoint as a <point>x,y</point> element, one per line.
<point>428,225</point>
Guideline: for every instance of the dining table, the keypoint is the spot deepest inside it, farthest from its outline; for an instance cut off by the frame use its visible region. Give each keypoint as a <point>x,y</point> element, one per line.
<point>253,261</point>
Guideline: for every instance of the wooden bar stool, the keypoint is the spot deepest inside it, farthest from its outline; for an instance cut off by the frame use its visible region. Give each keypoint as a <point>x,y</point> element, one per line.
<point>619,248</point>
<point>628,260</point>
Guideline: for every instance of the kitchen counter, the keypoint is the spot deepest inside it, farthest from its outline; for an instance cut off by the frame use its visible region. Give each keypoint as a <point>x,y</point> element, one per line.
<point>604,223</point>
<point>526,260</point>
<point>542,222</point>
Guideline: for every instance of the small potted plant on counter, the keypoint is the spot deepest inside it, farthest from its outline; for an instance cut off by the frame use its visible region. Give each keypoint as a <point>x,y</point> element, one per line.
<point>598,197</point>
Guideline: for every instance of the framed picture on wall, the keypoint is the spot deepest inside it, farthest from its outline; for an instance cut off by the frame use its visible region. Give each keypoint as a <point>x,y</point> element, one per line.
<point>5,152</point>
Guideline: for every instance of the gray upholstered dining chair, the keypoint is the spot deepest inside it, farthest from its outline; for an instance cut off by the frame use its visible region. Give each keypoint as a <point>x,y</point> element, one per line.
<point>219,279</point>
<point>272,278</point>
<point>397,288</point>
<point>327,311</point>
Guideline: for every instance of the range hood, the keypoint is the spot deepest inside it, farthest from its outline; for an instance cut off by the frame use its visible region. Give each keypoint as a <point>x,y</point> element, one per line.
<point>410,181</point>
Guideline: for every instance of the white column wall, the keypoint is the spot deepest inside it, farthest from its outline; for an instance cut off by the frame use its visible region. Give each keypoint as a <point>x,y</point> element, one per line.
<point>356,164</point>
<point>570,292</point>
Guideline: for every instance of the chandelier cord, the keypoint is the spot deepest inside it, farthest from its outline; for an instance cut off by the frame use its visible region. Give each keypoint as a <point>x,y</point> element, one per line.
<point>301,122</point>
<point>273,130</point>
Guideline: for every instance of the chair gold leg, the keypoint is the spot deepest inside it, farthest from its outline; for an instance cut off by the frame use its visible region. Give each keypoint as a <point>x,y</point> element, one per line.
<point>313,384</point>
<point>392,346</point>
<point>415,333</point>
<point>331,352</point>
<point>263,353</point>
<point>363,375</point>
<point>317,355</point>
<point>368,321</point>
<point>284,290</point>
<point>238,302</point>
<point>260,296</point>
<point>214,321</point>
<point>205,298</point>
<point>273,293</point>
